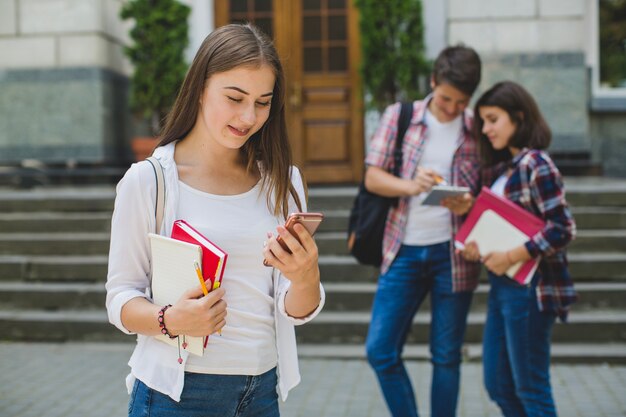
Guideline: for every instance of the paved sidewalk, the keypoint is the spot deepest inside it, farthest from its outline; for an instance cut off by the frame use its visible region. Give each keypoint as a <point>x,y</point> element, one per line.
<point>87,380</point>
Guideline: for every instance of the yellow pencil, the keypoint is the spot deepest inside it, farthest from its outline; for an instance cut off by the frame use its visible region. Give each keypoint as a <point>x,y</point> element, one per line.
<point>200,277</point>
<point>439,179</point>
<point>217,270</point>
<point>216,285</point>
<point>204,290</point>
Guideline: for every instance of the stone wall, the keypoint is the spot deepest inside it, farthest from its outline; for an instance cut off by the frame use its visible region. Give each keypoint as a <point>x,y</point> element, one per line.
<point>63,81</point>
<point>540,44</point>
<point>559,83</point>
<point>608,132</point>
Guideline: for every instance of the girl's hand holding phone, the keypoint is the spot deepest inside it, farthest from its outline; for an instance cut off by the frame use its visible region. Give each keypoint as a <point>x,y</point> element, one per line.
<point>293,250</point>
<point>294,253</point>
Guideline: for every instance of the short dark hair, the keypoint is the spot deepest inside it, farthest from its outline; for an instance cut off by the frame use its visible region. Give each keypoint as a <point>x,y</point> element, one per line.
<point>458,66</point>
<point>531,130</point>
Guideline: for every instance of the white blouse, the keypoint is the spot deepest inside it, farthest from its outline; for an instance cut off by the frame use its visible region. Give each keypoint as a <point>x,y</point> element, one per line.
<point>153,362</point>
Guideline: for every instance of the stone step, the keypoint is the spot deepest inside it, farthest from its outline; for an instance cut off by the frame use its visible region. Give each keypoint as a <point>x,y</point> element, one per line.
<point>359,297</point>
<point>581,192</point>
<point>87,268</point>
<point>596,191</point>
<point>54,222</point>
<point>328,327</point>
<point>91,243</point>
<point>28,177</point>
<point>52,296</point>
<point>336,220</point>
<point>64,199</point>
<point>329,243</point>
<point>594,267</point>
<point>51,222</point>
<point>59,326</point>
<point>355,297</point>
<point>612,353</point>
<point>599,241</point>
<point>351,328</point>
<point>331,198</point>
<point>599,217</point>
<point>586,241</point>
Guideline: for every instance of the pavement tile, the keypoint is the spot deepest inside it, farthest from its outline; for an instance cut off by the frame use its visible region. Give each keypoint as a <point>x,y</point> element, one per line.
<point>87,380</point>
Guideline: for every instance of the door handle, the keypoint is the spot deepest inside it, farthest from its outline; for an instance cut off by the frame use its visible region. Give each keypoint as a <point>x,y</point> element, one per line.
<point>295,99</point>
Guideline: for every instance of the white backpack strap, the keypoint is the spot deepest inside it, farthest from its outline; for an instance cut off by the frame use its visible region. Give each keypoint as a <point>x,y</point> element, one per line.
<point>160,197</point>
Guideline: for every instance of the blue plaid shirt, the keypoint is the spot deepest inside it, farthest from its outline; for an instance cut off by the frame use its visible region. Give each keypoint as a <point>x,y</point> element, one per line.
<point>536,185</point>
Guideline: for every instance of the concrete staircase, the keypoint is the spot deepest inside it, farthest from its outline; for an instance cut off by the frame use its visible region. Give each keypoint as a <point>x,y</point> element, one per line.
<point>53,262</point>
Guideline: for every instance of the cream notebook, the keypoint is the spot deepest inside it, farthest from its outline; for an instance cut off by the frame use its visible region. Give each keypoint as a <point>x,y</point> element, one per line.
<point>493,233</point>
<point>173,273</point>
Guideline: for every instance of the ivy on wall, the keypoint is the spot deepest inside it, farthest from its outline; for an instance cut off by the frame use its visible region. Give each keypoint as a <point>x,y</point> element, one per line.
<point>393,58</point>
<point>613,43</point>
<point>160,36</point>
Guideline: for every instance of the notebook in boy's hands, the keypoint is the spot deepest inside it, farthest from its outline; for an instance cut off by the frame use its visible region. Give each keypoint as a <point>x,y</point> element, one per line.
<point>438,192</point>
<point>173,273</point>
<point>213,258</point>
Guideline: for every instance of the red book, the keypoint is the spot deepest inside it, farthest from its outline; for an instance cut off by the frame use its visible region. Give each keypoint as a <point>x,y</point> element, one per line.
<point>497,224</point>
<point>213,258</point>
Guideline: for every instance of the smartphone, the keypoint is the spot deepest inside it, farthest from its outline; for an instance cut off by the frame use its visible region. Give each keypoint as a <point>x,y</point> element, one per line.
<point>310,221</point>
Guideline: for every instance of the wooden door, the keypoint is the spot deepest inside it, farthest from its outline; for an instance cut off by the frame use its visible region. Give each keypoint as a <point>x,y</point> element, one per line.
<point>319,47</point>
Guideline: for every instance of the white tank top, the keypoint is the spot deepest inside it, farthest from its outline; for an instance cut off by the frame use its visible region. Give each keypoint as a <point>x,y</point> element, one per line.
<point>238,224</point>
<point>428,225</point>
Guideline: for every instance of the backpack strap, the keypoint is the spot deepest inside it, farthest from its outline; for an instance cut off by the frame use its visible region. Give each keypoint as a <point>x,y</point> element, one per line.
<point>406,112</point>
<point>160,196</point>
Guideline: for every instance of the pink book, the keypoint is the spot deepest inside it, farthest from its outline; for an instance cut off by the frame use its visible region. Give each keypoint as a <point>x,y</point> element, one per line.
<point>497,224</point>
<point>213,258</point>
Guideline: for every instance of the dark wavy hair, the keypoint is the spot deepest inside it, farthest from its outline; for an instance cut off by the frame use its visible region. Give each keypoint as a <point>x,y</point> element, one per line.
<point>531,130</point>
<point>229,47</point>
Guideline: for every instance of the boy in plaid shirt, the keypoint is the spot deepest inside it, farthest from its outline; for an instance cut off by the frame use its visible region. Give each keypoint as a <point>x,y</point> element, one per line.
<point>418,258</point>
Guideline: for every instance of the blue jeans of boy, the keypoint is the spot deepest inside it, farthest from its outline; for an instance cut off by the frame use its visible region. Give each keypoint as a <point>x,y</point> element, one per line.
<point>417,271</point>
<point>209,395</point>
<point>516,350</point>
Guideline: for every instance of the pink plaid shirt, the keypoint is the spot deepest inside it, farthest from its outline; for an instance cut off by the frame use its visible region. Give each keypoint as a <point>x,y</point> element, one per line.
<point>465,171</point>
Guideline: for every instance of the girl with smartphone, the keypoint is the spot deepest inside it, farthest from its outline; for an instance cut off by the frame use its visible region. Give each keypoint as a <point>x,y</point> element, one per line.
<point>228,171</point>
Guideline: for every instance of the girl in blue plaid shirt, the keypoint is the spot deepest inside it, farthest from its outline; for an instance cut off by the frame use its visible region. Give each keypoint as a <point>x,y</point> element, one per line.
<point>512,137</point>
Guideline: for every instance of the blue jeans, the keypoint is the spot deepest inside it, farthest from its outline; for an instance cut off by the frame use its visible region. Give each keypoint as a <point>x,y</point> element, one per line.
<point>417,271</point>
<point>516,350</point>
<point>210,395</point>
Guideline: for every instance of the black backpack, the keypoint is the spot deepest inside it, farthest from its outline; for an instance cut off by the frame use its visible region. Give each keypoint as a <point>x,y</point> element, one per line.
<point>369,211</point>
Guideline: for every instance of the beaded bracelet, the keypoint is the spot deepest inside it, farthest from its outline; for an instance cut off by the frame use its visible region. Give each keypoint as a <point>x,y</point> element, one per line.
<point>161,319</point>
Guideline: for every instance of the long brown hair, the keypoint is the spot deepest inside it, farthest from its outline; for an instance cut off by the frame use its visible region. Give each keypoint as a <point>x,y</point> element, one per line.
<point>531,130</point>
<point>226,48</point>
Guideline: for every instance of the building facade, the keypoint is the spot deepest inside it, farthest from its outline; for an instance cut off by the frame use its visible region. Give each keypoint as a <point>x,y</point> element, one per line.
<point>64,78</point>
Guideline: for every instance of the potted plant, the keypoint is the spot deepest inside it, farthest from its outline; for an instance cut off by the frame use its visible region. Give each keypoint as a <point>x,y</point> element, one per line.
<point>394,66</point>
<point>159,38</point>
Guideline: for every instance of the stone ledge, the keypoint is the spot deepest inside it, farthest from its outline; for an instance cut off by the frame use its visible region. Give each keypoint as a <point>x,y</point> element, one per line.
<point>608,104</point>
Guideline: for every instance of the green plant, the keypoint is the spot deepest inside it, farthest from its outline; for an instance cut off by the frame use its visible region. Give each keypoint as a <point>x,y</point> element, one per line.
<point>392,42</point>
<point>613,43</point>
<point>159,41</point>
